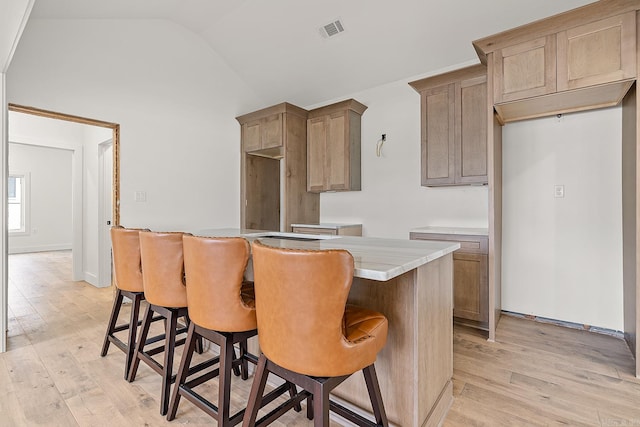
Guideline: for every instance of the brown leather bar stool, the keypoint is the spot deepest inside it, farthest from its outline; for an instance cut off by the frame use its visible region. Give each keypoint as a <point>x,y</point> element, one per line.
<point>222,310</point>
<point>128,281</point>
<point>301,300</point>
<point>164,289</point>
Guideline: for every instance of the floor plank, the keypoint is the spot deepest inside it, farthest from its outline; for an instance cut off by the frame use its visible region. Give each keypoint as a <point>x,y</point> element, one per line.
<point>534,375</point>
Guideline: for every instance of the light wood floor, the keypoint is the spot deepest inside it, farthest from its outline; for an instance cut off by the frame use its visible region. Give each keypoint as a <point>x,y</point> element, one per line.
<point>52,375</point>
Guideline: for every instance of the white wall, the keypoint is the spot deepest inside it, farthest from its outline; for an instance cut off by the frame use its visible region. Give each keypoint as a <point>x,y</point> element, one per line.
<point>3,216</point>
<point>562,257</point>
<point>81,141</point>
<point>392,201</point>
<point>14,15</point>
<point>49,195</point>
<point>35,130</point>
<point>176,102</point>
<point>40,133</point>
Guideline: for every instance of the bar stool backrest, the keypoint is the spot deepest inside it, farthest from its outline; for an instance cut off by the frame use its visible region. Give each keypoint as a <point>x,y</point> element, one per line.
<point>163,268</point>
<point>300,304</point>
<point>125,243</point>
<point>214,270</point>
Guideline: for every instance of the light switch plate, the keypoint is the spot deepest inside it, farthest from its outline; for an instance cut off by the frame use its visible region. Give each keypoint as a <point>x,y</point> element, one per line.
<point>558,191</point>
<point>141,196</point>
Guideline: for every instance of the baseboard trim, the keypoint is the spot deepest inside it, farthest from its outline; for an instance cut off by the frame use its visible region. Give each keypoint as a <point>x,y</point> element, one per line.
<point>92,279</point>
<point>39,248</point>
<point>565,324</point>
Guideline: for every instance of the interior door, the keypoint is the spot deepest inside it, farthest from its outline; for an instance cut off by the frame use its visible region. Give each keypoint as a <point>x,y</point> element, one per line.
<point>105,217</point>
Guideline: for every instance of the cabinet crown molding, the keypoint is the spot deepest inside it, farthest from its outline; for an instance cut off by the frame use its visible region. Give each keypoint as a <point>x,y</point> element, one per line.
<point>546,26</point>
<point>283,107</point>
<point>349,104</point>
<point>450,77</point>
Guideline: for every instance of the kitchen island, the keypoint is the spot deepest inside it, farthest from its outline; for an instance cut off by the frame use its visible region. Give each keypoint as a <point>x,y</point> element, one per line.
<point>410,282</point>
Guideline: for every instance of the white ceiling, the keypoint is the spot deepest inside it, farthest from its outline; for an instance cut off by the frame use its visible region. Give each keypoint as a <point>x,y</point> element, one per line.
<point>276,48</point>
<point>13,18</point>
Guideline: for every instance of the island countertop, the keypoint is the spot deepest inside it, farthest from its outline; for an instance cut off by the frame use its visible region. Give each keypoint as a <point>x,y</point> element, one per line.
<point>374,258</point>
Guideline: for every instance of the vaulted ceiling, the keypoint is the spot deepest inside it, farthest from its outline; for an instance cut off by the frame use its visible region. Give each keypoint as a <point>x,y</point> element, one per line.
<point>276,46</point>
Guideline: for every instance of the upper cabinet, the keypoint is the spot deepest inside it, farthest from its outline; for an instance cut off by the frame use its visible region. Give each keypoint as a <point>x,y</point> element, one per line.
<point>262,133</point>
<point>454,127</point>
<point>525,70</point>
<point>333,147</point>
<point>599,52</point>
<point>578,60</point>
<point>273,167</point>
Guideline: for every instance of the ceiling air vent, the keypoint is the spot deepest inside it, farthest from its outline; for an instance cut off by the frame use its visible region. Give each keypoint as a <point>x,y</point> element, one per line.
<point>332,29</point>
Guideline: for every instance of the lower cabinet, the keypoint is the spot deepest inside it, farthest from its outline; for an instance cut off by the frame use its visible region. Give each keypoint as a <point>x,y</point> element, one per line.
<point>330,229</point>
<point>470,286</point>
<point>470,276</point>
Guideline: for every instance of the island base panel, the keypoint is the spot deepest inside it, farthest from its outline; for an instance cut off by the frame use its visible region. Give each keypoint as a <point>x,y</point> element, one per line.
<point>416,365</point>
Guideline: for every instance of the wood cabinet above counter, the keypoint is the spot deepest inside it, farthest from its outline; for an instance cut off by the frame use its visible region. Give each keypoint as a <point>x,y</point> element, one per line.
<point>264,131</point>
<point>579,60</point>
<point>333,146</point>
<point>453,127</point>
<point>273,167</point>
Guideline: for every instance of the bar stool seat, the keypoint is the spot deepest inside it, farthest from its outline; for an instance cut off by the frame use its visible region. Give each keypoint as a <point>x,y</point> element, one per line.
<point>301,300</point>
<point>222,310</point>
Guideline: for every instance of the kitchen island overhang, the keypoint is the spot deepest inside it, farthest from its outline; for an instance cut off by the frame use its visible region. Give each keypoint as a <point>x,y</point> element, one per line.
<point>411,283</point>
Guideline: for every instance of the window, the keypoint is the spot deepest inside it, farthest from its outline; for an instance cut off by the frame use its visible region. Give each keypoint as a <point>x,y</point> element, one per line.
<point>17,195</point>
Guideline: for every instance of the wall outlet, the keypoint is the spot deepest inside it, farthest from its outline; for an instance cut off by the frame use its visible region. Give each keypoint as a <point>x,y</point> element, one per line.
<point>558,191</point>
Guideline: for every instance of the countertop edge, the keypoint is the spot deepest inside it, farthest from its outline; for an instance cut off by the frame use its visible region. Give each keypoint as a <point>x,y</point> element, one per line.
<point>332,225</point>
<point>463,231</point>
<point>377,275</point>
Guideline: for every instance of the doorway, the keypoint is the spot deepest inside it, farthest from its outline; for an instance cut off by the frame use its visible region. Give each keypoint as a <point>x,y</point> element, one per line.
<point>106,195</point>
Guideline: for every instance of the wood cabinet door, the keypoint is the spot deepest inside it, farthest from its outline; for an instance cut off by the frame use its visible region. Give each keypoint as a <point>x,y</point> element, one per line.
<point>316,149</point>
<point>337,152</point>
<point>328,153</point>
<point>525,70</point>
<point>251,136</point>
<point>437,148</point>
<point>600,52</point>
<point>471,131</point>
<point>271,131</point>
<point>470,286</point>
<point>262,133</point>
